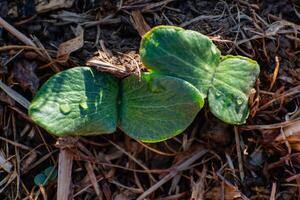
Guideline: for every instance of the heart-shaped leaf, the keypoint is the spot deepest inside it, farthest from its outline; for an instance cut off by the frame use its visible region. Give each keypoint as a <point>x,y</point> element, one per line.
<point>193,57</point>
<point>181,53</point>
<point>157,107</point>
<point>228,95</point>
<point>81,101</point>
<point>78,101</point>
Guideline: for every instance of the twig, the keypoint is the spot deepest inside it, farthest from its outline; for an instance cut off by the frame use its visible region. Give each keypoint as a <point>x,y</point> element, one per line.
<point>133,158</point>
<point>65,163</point>
<point>148,7</point>
<point>173,173</point>
<point>198,188</point>
<point>199,18</point>
<point>293,91</point>
<point>22,146</point>
<point>273,193</point>
<point>9,47</point>
<point>275,74</point>
<point>156,150</point>
<point>239,153</point>
<point>16,33</point>
<point>85,188</point>
<point>14,95</point>
<point>38,162</point>
<point>106,20</point>
<point>93,179</point>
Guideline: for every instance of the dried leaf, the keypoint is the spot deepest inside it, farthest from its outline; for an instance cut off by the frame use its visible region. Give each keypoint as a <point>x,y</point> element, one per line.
<point>71,45</point>
<point>291,133</point>
<point>120,65</point>
<point>4,163</point>
<point>230,192</point>
<point>198,188</point>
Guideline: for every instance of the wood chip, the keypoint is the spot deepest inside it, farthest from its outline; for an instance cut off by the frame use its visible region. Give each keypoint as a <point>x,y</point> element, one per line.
<point>139,22</point>
<point>66,48</point>
<point>45,6</point>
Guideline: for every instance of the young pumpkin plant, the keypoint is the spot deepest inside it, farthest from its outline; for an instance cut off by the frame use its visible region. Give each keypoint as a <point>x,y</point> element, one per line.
<point>184,67</point>
<point>193,57</point>
<point>82,101</point>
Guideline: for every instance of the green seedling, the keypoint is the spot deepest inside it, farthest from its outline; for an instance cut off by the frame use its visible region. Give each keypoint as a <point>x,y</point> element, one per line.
<point>46,176</point>
<point>193,57</point>
<point>82,101</point>
<point>184,66</point>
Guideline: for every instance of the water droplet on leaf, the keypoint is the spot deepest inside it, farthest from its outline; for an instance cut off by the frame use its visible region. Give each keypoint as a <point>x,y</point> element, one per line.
<point>100,96</point>
<point>239,101</point>
<point>83,105</point>
<point>156,43</point>
<point>64,108</point>
<point>218,94</point>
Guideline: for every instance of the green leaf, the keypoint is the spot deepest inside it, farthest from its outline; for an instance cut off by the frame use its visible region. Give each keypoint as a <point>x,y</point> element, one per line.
<point>181,53</point>
<point>40,179</point>
<point>78,101</point>
<point>193,57</point>
<point>233,80</point>
<point>157,107</point>
<point>51,172</point>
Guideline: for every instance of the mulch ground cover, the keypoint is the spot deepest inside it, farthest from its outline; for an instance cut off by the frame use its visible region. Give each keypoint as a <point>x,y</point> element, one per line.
<point>210,160</point>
